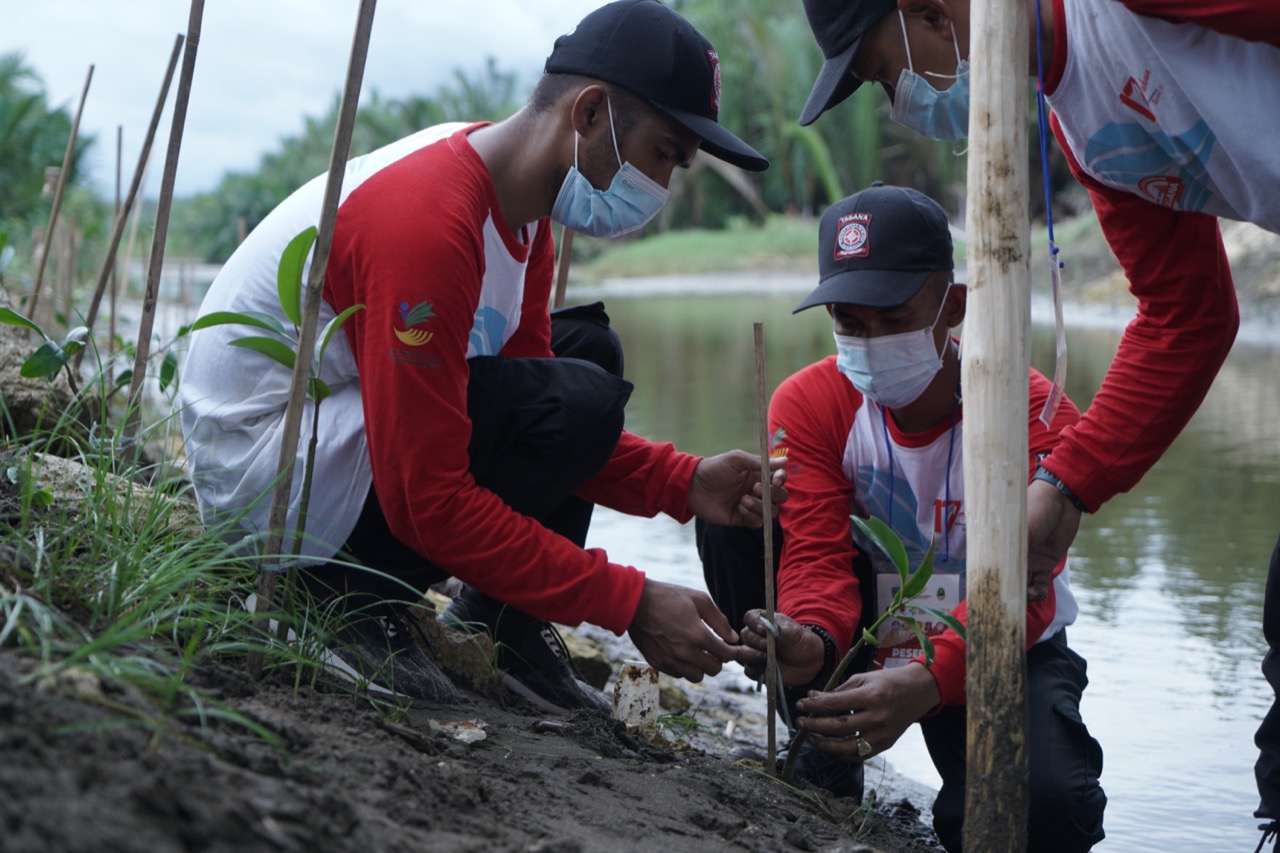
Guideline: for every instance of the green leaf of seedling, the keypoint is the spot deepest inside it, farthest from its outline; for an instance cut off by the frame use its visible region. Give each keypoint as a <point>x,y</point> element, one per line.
<point>330,329</point>
<point>916,583</point>
<point>44,362</point>
<point>926,645</point>
<point>42,497</point>
<point>869,638</point>
<point>244,318</point>
<point>289,274</point>
<point>123,379</point>
<point>886,540</point>
<point>183,331</point>
<point>4,238</point>
<point>74,340</point>
<point>168,370</point>
<point>943,616</point>
<point>12,318</point>
<point>270,347</point>
<point>317,389</point>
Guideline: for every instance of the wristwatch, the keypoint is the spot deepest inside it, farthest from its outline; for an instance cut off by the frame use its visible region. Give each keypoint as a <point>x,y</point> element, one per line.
<point>1052,479</point>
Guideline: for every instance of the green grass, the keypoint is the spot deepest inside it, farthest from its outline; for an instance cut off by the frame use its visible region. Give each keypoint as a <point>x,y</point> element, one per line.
<point>783,242</point>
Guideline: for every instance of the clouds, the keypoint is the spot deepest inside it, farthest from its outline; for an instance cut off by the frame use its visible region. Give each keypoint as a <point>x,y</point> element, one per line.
<point>261,66</point>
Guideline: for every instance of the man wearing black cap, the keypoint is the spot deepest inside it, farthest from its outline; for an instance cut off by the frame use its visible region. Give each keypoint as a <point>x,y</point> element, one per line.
<point>876,430</point>
<point>1155,106</point>
<point>452,442</point>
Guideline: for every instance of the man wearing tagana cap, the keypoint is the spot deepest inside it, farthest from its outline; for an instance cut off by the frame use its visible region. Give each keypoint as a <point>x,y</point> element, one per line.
<point>876,430</point>
<point>453,442</point>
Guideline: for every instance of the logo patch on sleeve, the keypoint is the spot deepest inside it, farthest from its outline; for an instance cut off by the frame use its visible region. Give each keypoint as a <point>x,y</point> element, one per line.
<point>851,236</point>
<point>412,319</point>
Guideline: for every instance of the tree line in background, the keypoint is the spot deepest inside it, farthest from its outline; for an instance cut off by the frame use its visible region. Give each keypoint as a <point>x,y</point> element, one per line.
<point>768,64</point>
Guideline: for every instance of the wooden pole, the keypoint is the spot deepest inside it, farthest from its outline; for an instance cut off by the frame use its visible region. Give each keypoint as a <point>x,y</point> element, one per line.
<point>310,316</point>
<point>147,320</point>
<point>115,268</point>
<point>996,361</point>
<point>562,267</point>
<point>57,196</point>
<point>771,656</point>
<point>139,174</point>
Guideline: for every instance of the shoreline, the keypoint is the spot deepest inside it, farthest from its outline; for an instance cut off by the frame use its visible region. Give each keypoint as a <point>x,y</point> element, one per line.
<point>1257,328</point>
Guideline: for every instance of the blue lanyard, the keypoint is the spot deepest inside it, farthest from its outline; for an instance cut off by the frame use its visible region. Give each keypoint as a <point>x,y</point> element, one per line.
<point>946,488</point>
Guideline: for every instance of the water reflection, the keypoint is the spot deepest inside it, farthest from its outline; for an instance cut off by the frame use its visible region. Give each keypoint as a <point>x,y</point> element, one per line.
<point>1170,577</point>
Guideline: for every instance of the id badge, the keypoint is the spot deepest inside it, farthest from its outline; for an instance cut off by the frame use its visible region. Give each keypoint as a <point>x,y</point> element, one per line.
<point>898,643</point>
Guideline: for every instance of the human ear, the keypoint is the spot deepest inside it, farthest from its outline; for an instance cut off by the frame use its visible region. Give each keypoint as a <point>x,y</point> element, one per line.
<point>588,109</point>
<point>936,15</point>
<point>957,300</point>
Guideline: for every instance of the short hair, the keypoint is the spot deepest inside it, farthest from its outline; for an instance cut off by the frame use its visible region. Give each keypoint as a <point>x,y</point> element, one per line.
<point>552,87</point>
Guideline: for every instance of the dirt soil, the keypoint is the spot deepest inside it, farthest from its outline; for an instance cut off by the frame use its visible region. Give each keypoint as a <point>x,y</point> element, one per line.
<point>77,775</point>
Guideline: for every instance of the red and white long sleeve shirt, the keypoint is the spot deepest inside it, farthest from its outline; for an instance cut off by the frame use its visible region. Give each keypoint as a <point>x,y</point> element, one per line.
<point>845,456</point>
<point>421,243</point>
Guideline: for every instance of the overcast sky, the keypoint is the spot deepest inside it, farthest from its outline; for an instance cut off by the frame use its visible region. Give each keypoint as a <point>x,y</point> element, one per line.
<point>261,66</point>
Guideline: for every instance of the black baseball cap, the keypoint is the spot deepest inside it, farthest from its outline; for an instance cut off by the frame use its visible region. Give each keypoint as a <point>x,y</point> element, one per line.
<point>838,26</point>
<point>652,52</point>
<point>878,247</point>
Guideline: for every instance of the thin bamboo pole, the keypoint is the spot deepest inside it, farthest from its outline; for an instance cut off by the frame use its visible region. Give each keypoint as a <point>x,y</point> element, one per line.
<point>562,267</point>
<point>139,173</point>
<point>771,654</point>
<point>115,268</point>
<point>995,367</point>
<point>143,350</point>
<point>57,196</point>
<point>310,316</point>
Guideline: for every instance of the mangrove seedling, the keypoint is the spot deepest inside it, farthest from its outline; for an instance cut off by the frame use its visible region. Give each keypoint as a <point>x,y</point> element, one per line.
<point>51,356</point>
<point>900,608</point>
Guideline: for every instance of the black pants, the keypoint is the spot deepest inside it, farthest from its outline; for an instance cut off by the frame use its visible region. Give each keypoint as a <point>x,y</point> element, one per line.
<point>1267,768</point>
<point>1066,801</point>
<point>540,428</point>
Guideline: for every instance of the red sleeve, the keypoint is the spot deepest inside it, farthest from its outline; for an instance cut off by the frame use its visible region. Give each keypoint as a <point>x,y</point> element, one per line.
<point>395,243</point>
<point>948,649</point>
<point>1252,20</point>
<point>810,416</point>
<point>644,478</point>
<point>1186,322</point>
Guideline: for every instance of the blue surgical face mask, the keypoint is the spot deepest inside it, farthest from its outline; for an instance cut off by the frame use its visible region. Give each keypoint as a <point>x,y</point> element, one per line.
<point>892,370</point>
<point>632,199</point>
<point>919,106</point>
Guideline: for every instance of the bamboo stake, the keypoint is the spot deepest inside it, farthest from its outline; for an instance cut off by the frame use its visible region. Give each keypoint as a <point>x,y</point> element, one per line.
<point>771,655</point>
<point>995,367</point>
<point>310,316</point>
<point>115,276</point>
<point>562,267</point>
<point>162,220</point>
<point>139,173</point>
<point>57,196</point>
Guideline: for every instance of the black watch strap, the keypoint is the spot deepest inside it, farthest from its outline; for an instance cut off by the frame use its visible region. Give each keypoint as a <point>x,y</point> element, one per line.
<point>1052,479</point>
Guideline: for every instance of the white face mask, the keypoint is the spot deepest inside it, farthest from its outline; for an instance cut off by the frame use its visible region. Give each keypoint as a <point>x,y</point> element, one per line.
<point>892,370</point>
<point>632,199</point>
<point>937,114</point>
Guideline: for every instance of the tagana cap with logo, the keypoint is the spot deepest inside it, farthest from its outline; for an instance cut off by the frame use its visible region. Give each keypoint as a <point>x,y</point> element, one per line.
<point>878,247</point>
<point>657,55</point>
<point>838,26</point>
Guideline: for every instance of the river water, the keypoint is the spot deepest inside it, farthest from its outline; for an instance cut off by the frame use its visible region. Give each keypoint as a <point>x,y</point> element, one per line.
<point>1169,577</point>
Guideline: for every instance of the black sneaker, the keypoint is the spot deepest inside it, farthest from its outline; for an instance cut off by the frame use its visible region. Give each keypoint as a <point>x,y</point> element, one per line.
<point>380,653</point>
<point>535,663</point>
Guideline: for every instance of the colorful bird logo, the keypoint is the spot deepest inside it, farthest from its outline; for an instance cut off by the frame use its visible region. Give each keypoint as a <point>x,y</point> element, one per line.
<point>415,316</point>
